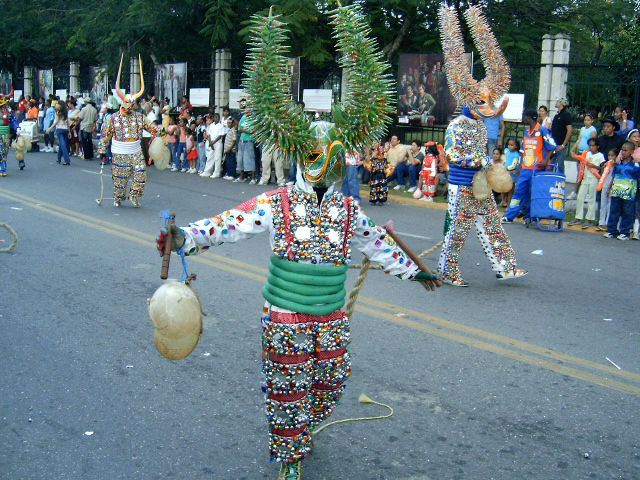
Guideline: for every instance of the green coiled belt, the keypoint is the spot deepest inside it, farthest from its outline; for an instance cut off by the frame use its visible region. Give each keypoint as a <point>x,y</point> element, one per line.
<point>305,287</point>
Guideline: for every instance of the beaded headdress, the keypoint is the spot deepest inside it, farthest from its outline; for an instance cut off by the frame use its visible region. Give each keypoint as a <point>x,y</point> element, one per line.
<point>479,96</point>
<point>127,100</point>
<point>276,121</point>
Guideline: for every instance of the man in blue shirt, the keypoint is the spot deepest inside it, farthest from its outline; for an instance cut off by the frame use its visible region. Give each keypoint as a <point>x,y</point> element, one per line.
<point>495,133</point>
<point>49,118</point>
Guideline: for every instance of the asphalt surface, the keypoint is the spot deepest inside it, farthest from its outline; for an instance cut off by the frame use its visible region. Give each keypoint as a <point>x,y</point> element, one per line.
<point>501,380</point>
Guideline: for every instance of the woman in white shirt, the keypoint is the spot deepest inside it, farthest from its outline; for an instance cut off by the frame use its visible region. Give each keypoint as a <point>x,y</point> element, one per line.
<point>61,125</point>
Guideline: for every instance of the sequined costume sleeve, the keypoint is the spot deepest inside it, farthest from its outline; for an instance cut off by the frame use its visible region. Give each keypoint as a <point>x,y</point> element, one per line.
<point>108,132</point>
<point>243,221</point>
<point>373,241</point>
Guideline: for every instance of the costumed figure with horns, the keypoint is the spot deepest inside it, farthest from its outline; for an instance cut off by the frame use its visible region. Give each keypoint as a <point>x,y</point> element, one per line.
<point>8,122</point>
<point>466,147</point>
<point>123,134</point>
<point>312,227</point>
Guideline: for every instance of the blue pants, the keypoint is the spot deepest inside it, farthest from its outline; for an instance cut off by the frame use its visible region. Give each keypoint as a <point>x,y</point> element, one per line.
<point>230,164</point>
<point>623,210</point>
<point>351,183</point>
<point>521,196</point>
<point>559,159</point>
<point>63,144</point>
<point>181,148</point>
<point>292,171</point>
<point>172,149</point>
<point>202,157</point>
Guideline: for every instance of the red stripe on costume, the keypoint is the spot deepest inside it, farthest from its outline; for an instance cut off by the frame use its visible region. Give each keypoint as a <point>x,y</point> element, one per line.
<point>290,318</point>
<point>288,397</point>
<point>288,433</point>
<point>327,355</point>
<point>289,359</point>
<point>326,388</point>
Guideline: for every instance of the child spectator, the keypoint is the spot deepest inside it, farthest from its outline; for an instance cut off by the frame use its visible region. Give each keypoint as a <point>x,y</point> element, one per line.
<point>201,127</point>
<point>192,151</point>
<point>604,187</point>
<point>623,194</point>
<point>512,164</point>
<point>378,188</point>
<point>497,158</point>
<point>582,144</point>
<point>230,148</point>
<point>427,182</point>
<point>588,184</point>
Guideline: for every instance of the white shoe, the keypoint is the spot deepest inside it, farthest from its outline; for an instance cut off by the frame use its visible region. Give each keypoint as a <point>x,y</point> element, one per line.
<point>398,187</point>
<point>227,177</point>
<point>215,175</point>
<point>204,175</point>
<point>253,181</point>
<point>572,196</point>
<point>289,184</point>
<point>262,183</point>
<point>411,190</point>
<point>238,180</point>
<point>283,184</point>
<point>427,199</point>
<point>174,169</point>
<point>184,170</point>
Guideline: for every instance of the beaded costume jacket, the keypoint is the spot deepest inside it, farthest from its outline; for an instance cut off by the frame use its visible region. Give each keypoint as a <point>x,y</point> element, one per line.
<point>466,143</point>
<point>303,231</point>
<point>128,128</point>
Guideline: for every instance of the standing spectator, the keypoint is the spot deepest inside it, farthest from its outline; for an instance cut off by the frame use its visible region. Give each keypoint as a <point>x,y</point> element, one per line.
<point>623,115</point>
<point>609,140</point>
<point>185,106</point>
<point>172,140</point>
<point>32,113</point>
<point>623,194</point>
<point>588,185</point>
<point>50,117</point>
<point>543,117</point>
<point>213,137</point>
<point>88,116</point>
<point>495,133</point>
<point>604,185</point>
<point>74,128</point>
<point>537,144</point>
<point>396,156</point>
<point>146,136</point>
<point>561,130</point>
<point>61,126</point>
<point>582,144</point>
<point>42,107</point>
<point>192,151</point>
<point>201,128</point>
<point>230,148</point>
<point>246,155</point>
<point>378,188</point>
<point>429,172</point>
<point>23,105</point>
<point>181,147</point>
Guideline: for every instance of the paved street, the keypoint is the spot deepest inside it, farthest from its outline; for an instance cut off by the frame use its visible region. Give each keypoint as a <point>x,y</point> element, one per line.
<point>497,381</point>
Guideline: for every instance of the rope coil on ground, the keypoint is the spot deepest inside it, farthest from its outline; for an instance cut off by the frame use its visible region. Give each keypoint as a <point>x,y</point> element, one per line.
<point>13,234</point>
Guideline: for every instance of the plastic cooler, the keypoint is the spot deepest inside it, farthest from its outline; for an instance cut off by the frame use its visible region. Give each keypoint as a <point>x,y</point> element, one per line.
<point>548,195</point>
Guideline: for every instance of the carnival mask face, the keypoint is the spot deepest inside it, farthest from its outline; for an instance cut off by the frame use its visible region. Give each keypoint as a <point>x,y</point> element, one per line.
<point>486,108</point>
<point>324,167</point>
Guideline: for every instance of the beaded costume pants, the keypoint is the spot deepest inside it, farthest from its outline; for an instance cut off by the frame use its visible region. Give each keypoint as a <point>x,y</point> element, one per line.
<point>306,365</point>
<point>4,149</point>
<point>125,166</point>
<point>464,211</point>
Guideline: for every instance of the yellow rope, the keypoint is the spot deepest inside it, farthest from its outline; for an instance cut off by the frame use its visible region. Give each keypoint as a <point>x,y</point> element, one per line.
<point>363,399</point>
<point>13,234</point>
<point>353,295</point>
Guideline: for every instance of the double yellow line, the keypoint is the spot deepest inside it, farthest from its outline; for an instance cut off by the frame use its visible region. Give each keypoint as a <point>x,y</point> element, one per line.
<point>576,367</point>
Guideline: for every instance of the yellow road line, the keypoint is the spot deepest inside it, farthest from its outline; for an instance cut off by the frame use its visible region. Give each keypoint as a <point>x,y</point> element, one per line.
<point>241,268</point>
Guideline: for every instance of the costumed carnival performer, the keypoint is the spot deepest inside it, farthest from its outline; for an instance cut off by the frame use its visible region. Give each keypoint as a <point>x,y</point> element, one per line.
<point>123,134</point>
<point>8,122</point>
<point>466,147</point>
<point>312,227</point>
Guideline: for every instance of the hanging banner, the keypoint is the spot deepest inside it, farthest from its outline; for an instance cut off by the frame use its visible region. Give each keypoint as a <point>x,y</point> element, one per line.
<point>45,83</point>
<point>171,82</point>
<point>99,84</point>
<point>235,95</point>
<point>199,97</point>
<point>317,100</point>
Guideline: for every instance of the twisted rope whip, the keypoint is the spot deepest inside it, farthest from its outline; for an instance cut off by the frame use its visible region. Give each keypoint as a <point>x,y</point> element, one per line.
<point>13,234</point>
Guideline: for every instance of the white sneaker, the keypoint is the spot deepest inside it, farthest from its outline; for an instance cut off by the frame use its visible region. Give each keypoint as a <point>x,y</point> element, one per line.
<point>238,180</point>
<point>253,181</point>
<point>398,187</point>
<point>262,183</point>
<point>283,184</point>
<point>427,199</point>
<point>215,175</point>
<point>411,190</point>
<point>174,169</point>
<point>204,175</point>
<point>227,177</point>
<point>289,184</point>
<point>573,196</point>
<point>622,236</point>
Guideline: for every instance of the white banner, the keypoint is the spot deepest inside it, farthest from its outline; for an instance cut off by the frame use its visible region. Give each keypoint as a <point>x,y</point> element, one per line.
<point>513,113</point>
<point>199,97</point>
<point>317,100</point>
<point>61,94</point>
<point>235,95</point>
<point>16,95</point>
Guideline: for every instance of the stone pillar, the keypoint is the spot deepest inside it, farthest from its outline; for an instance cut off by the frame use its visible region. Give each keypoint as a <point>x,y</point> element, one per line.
<point>561,48</point>
<point>134,75</point>
<point>222,78</point>
<point>29,82</point>
<point>546,70</point>
<point>74,78</point>
<point>345,85</point>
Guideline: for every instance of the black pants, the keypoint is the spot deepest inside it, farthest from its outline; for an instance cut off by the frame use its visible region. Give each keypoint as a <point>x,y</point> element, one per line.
<point>87,144</point>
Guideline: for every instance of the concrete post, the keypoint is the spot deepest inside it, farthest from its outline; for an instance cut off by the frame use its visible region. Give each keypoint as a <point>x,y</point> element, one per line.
<point>546,70</point>
<point>345,85</point>
<point>28,82</point>
<point>134,75</point>
<point>561,48</point>
<point>74,80</point>
<point>222,78</point>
